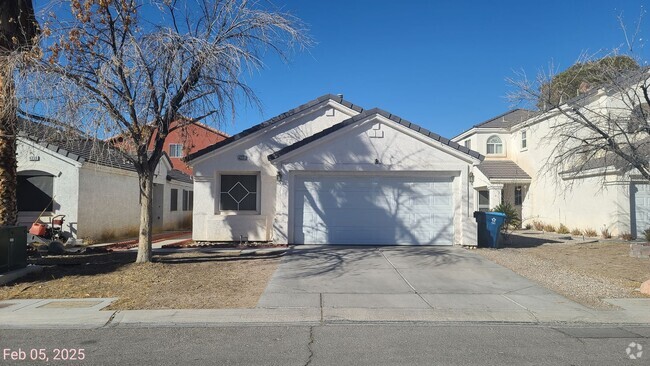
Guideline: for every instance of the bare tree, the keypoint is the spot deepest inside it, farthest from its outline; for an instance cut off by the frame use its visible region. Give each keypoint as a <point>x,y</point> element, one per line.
<point>606,127</point>
<point>133,67</point>
<point>18,31</point>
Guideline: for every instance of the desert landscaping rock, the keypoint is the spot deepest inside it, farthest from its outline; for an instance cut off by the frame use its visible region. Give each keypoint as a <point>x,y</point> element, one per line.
<point>645,287</point>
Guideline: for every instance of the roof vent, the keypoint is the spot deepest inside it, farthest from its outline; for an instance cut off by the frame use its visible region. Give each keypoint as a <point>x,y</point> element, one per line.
<point>340,95</point>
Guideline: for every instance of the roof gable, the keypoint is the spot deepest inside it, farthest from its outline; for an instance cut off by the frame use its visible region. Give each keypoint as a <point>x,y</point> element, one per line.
<point>271,122</point>
<point>365,115</point>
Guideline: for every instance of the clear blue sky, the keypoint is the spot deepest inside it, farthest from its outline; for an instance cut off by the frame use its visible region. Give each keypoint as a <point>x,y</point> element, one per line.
<point>440,64</point>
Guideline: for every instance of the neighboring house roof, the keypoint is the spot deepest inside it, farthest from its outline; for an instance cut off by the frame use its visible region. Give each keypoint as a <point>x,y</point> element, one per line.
<point>81,149</point>
<point>365,114</point>
<point>176,174</point>
<point>337,98</point>
<point>507,120</point>
<point>502,169</point>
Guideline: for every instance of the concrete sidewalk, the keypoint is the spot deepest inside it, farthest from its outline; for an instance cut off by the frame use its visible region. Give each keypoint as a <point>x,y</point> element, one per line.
<point>87,313</point>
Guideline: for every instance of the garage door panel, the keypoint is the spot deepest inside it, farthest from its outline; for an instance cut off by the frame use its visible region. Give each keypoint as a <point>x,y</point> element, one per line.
<point>372,210</point>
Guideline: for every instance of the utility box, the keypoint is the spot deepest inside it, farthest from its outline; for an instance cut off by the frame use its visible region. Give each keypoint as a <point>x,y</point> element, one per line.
<point>13,248</point>
<point>489,228</point>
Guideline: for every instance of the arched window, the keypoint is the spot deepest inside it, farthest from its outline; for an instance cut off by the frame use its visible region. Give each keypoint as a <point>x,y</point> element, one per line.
<point>494,145</point>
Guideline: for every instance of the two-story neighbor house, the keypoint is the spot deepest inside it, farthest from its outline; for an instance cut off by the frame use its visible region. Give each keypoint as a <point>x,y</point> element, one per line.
<point>517,146</point>
<point>331,172</point>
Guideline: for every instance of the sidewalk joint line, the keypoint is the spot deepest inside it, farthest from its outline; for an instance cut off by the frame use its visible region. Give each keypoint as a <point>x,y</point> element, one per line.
<point>110,320</point>
<point>523,307</point>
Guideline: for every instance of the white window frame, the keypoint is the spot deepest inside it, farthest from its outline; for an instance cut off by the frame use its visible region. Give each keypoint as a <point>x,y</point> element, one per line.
<point>468,144</point>
<point>172,150</point>
<point>494,145</point>
<point>524,140</point>
<point>258,193</point>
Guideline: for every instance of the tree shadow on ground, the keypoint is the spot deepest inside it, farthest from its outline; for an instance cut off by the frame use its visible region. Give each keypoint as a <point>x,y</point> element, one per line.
<point>514,240</point>
<point>319,260</point>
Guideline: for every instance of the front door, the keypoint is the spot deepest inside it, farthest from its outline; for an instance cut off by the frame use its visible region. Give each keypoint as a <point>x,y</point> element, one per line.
<point>158,205</point>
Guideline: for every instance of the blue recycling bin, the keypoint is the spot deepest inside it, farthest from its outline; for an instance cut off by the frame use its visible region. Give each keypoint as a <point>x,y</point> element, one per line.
<point>489,228</point>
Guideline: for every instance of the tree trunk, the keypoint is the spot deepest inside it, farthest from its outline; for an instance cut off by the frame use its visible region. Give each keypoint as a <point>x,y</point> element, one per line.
<point>8,173</point>
<point>146,213</point>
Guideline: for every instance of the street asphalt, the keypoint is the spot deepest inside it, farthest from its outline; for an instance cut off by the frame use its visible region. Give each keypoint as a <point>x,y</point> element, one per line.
<point>351,344</point>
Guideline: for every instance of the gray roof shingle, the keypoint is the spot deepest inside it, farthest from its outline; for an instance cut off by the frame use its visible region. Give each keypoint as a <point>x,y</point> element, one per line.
<point>272,121</point>
<point>178,175</point>
<point>365,114</point>
<point>502,169</point>
<point>507,120</point>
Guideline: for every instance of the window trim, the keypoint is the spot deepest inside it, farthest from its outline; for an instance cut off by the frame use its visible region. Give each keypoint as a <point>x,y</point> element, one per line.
<point>488,143</point>
<point>258,202</point>
<point>175,145</point>
<point>468,143</point>
<point>523,138</point>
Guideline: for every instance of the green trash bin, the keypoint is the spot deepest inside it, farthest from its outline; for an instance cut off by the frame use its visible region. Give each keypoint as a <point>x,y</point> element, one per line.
<point>13,248</point>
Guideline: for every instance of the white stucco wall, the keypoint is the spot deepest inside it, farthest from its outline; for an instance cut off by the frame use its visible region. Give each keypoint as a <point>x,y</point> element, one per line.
<point>208,223</point>
<point>400,151</point>
<point>65,183</point>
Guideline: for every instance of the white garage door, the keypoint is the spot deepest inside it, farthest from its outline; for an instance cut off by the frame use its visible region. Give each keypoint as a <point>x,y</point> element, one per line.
<point>641,204</point>
<point>366,210</point>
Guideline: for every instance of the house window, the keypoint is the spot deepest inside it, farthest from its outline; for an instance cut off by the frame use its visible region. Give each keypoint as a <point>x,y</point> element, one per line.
<point>175,150</point>
<point>484,201</point>
<point>173,201</point>
<point>187,200</point>
<point>524,142</point>
<point>468,144</point>
<point>494,145</point>
<point>518,197</point>
<point>191,204</point>
<point>238,193</point>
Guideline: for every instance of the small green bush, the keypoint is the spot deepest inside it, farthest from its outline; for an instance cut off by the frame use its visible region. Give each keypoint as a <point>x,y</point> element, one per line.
<point>563,229</point>
<point>549,228</point>
<point>576,232</point>
<point>512,217</point>
<point>528,226</point>
<point>591,233</point>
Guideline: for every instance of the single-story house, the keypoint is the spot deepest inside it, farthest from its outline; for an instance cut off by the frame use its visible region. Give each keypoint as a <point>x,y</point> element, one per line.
<point>330,172</point>
<point>93,185</point>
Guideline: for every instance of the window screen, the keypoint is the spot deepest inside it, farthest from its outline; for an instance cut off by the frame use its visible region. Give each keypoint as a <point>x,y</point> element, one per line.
<point>186,200</point>
<point>238,193</point>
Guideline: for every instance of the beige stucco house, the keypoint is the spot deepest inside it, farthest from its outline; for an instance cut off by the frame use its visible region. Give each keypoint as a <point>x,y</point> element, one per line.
<point>518,144</point>
<point>330,172</point>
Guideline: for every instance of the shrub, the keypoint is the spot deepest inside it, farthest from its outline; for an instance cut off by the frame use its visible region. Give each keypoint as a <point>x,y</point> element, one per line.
<point>591,232</point>
<point>576,232</point>
<point>563,229</point>
<point>646,233</point>
<point>605,233</point>
<point>512,217</point>
<point>549,228</point>
<point>627,237</point>
<point>528,226</point>
<point>538,225</point>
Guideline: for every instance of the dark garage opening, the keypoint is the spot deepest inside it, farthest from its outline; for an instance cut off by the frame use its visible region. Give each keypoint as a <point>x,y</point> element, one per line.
<point>34,191</point>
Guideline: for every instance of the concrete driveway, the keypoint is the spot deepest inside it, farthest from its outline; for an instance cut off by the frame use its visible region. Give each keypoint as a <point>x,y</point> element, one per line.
<point>449,280</point>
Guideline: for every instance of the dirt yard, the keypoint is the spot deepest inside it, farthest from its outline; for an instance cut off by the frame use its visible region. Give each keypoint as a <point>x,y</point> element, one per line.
<point>584,272</point>
<point>177,281</point>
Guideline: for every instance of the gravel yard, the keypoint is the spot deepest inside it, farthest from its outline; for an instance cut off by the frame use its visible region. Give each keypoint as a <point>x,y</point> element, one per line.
<point>191,280</point>
<point>584,272</point>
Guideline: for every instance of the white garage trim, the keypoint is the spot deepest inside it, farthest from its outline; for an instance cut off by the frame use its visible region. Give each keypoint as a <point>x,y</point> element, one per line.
<point>408,208</point>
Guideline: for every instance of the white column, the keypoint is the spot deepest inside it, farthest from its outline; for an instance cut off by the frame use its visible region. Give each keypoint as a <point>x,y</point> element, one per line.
<point>495,195</point>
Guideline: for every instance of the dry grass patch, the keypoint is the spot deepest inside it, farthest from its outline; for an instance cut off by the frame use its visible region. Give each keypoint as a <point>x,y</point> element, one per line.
<point>586,273</point>
<point>179,281</point>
